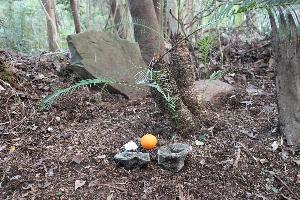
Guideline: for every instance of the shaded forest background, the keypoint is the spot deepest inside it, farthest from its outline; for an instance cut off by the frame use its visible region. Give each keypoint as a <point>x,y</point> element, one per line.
<point>23,26</point>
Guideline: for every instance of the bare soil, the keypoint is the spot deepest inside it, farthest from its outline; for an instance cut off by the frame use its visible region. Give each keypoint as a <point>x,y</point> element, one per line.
<point>43,153</point>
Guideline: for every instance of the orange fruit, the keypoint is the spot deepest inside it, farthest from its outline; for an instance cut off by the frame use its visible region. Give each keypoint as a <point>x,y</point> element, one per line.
<point>148,141</point>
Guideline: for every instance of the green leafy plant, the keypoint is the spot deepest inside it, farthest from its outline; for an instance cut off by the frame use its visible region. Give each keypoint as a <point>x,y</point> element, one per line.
<point>278,9</point>
<point>216,75</point>
<point>49,100</point>
<point>147,78</point>
<point>157,80</point>
<point>205,46</point>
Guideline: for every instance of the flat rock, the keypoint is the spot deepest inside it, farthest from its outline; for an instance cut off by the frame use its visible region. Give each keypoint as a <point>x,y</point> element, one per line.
<point>212,90</point>
<point>132,159</point>
<point>172,156</point>
<point>97,54</point>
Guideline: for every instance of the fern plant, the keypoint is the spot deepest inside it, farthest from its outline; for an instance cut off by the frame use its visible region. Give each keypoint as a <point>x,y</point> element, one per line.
<point>278,9</point>
<point>148,78</point>
<point>205,46</point>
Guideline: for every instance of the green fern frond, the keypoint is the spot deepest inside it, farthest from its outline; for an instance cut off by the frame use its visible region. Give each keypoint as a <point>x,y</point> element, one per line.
<point>157,80</point>
<point>216,75</point>
<point>48,101</point>
<point>205,45</point>
<point>145,79</point>
<point>280,10</point>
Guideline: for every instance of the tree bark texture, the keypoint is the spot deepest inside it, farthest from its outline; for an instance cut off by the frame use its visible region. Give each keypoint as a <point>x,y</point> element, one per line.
<point>51,25</point>
<point>116,17</point>
<point>183,72</point>
<point>286,50</point>
<point>75,13</point>
<point>149,38</point>
<point>182,118</point>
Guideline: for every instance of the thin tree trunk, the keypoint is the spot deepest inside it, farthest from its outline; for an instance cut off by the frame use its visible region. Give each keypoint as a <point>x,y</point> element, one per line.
<point>89,14</point>
<point>116,17</point>
<point>48,7</point>
<point>286,50</point>
<point>182,118</point>
<point>182,70</point>
<point>148,37</point>
<point>75,13</point>
<point>171,23</point>
<point>157,6</point>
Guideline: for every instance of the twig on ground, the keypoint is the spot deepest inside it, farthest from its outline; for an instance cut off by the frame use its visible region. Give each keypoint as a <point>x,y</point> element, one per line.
<point>7,84</point>
<point>237,159</point>
<point>4,123</point>
<point>286,186</point>
<point>6,110</point>
<point>115,187</point>
<point>248,151</point>
<point>20,122</point>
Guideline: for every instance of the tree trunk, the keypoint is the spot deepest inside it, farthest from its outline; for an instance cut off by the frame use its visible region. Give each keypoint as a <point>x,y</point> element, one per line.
<point>157,5</point>
<point>171,23</point>
<point>286,50</point>
<point>148,37</point>
<point>75,13</point>
<point>89,13</point>
<point>183,72</point>
<point>174,92</point>
<point>183,120</point>
<point>48,7</point>
<point>116,19</point>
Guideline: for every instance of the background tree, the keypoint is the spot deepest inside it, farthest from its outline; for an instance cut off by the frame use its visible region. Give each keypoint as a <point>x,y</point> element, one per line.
<point>75,13</point>
<point>286,51</point>
<point>149,40</point>
<point>176,79</point>
<point>119,14</point>
<point>48,7</point>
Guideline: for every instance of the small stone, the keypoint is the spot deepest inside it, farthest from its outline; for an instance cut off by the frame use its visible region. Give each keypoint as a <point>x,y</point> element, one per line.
<point>172,156</point>
<point>39,76</point>
<point>101,156</point>
<point>50,129</point>
<point>131,160</point>
<point>57,119</point>
<point>65,135</point>
<point>2,147</point>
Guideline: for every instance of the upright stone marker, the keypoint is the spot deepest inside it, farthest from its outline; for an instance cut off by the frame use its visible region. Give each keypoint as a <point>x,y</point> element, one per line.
<point>100,54</point>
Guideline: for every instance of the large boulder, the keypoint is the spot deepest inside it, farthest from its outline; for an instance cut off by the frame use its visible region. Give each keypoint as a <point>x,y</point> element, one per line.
<point>100,54</point>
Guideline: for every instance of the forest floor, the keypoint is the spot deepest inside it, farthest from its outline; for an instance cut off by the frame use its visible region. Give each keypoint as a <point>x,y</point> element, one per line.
<point>44,153</point>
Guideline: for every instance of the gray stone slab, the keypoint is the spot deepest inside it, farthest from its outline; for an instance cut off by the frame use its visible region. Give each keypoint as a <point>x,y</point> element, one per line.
<point>131,159</point>
<point>100,54</point>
